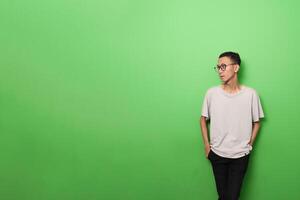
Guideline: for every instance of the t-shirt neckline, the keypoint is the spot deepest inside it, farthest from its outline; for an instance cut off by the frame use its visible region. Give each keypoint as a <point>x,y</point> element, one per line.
<point>242,88</point>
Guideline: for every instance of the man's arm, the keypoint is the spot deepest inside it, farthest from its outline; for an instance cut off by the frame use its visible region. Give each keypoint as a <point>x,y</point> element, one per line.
<point>204,132</point>
<point>255,128</point>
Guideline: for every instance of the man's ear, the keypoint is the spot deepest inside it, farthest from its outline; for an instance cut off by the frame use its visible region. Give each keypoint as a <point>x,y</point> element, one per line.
<point>237,67</point>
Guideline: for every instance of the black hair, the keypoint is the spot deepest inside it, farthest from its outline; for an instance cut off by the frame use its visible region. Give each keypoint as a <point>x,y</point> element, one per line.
<point>235,57</point>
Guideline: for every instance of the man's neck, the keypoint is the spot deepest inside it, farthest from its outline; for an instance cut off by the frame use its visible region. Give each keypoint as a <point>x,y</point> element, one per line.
<point>231,86</point>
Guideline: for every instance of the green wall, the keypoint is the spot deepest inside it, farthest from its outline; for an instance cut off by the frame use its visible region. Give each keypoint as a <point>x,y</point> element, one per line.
<point>102,99</point>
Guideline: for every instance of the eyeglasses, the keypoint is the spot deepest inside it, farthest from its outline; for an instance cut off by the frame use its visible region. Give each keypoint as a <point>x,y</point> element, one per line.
<point>222,67</point>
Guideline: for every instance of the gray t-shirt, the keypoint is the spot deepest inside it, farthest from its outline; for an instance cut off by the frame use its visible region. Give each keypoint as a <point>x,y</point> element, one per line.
<point>231,117</point>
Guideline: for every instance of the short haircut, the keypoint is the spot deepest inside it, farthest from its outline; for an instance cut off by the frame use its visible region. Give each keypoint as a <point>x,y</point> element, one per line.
<point>235,57</point>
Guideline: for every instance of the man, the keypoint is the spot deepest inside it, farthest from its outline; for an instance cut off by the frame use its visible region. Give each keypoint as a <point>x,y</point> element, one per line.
<point>233,111</point>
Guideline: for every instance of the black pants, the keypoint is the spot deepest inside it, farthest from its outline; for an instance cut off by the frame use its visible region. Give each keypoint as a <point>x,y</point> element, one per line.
<point>229,174</point>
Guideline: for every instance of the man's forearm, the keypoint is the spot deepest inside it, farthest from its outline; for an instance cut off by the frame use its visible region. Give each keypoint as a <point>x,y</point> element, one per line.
<point>255,129</point>
<point>204,130</point>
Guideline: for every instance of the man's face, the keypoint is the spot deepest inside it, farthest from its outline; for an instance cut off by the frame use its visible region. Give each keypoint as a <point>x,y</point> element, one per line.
<point>230,70</point>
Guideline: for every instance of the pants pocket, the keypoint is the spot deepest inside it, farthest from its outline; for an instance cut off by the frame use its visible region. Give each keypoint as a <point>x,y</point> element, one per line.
<point>209,154</point>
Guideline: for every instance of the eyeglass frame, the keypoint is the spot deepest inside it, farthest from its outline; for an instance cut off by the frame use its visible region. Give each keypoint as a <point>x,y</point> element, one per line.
<point>218,67</point>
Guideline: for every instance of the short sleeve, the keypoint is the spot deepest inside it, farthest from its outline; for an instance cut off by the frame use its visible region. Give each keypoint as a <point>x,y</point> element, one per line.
<point>205,107</point>
<point>257,111</point>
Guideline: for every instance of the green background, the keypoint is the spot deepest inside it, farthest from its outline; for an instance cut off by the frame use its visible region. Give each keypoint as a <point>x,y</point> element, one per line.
<point>102,99</point>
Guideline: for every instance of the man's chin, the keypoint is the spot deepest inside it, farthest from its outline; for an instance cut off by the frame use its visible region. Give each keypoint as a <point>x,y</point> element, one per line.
<point>224,81</point>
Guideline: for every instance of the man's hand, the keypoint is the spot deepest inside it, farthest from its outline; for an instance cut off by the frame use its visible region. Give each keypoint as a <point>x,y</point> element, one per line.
<point>207,149</point>
<point>250,143</point>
